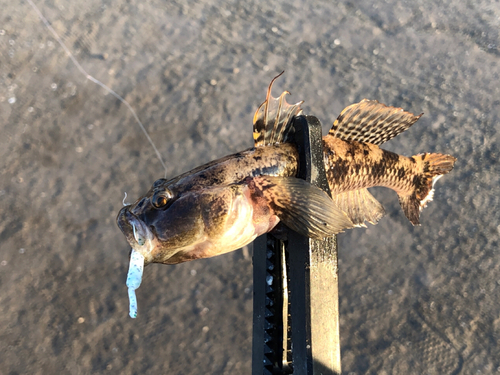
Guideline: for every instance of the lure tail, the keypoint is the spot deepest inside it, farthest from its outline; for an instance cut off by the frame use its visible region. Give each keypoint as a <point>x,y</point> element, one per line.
<point>433,166</point>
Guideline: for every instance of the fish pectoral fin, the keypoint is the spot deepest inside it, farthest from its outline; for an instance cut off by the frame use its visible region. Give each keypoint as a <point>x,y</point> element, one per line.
<point>371,122</point>
<point>359,206</point>
<point>301,206</point>
<point>272,121</point>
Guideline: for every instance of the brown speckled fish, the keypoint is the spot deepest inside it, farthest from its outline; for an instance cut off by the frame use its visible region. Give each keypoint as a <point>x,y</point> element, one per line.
<point>225,204</point>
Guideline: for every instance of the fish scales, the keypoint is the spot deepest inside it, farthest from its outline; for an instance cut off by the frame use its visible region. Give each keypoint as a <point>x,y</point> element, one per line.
<point>276,160</point>
<point>354,165</point>
<point>225,204</point>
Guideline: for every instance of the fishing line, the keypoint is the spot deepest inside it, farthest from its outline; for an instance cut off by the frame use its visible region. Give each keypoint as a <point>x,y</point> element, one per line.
<point>123,201</point>
<point>96,81</point>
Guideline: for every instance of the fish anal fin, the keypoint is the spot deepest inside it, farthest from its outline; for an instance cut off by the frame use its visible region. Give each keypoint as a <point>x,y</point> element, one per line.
<point>371,122</point>
<point>359,206</point>
<point>301,206</point>
<point>272,121</point>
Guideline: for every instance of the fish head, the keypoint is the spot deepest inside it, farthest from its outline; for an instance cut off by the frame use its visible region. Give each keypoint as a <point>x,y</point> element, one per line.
<point>172,225</point>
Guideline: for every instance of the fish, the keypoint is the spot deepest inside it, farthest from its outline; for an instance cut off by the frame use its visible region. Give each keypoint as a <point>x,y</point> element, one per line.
<point>225,204</point>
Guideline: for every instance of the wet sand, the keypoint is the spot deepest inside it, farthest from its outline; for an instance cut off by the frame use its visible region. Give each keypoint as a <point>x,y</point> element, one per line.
<point>414,300</point>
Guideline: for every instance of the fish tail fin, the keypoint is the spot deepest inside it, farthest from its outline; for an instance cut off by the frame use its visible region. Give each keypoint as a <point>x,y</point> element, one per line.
<point>433,166</point>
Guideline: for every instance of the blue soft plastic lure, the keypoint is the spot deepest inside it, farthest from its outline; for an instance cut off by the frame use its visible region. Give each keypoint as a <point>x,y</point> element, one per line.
<point>134,278</point>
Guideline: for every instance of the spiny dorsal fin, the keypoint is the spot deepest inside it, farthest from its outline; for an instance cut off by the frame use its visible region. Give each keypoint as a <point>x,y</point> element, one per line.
<point>371,122</point>
<point>272,120</point>
<point>301,206</point>
<point>359,206</point>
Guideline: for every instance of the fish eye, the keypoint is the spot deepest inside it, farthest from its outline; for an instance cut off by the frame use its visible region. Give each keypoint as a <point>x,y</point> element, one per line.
<point>161,198</point>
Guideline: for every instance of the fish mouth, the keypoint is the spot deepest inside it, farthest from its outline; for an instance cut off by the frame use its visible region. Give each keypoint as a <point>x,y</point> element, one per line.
<point>135,230</point>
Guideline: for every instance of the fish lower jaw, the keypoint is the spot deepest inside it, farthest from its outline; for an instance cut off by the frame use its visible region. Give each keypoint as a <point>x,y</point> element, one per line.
<point>139,235</point>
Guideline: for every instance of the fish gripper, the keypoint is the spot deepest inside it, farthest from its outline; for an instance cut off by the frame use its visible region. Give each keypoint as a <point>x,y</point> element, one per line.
<point>295,316</point>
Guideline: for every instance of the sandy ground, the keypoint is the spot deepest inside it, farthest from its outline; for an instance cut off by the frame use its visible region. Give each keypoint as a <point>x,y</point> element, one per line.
<point>421,300</point>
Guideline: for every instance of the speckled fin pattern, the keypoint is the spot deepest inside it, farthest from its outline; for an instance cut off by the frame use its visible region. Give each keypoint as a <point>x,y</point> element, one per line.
<point>433,166</point>
<point>272,121</point>
<point>301,206</point>
<point>371,122</point>
<point>359,206</point>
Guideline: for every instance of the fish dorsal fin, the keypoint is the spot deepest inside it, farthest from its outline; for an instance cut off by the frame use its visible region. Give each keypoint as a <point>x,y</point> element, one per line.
<point>371,122</point>
<point>273,119</point>
<point>359,206</point>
